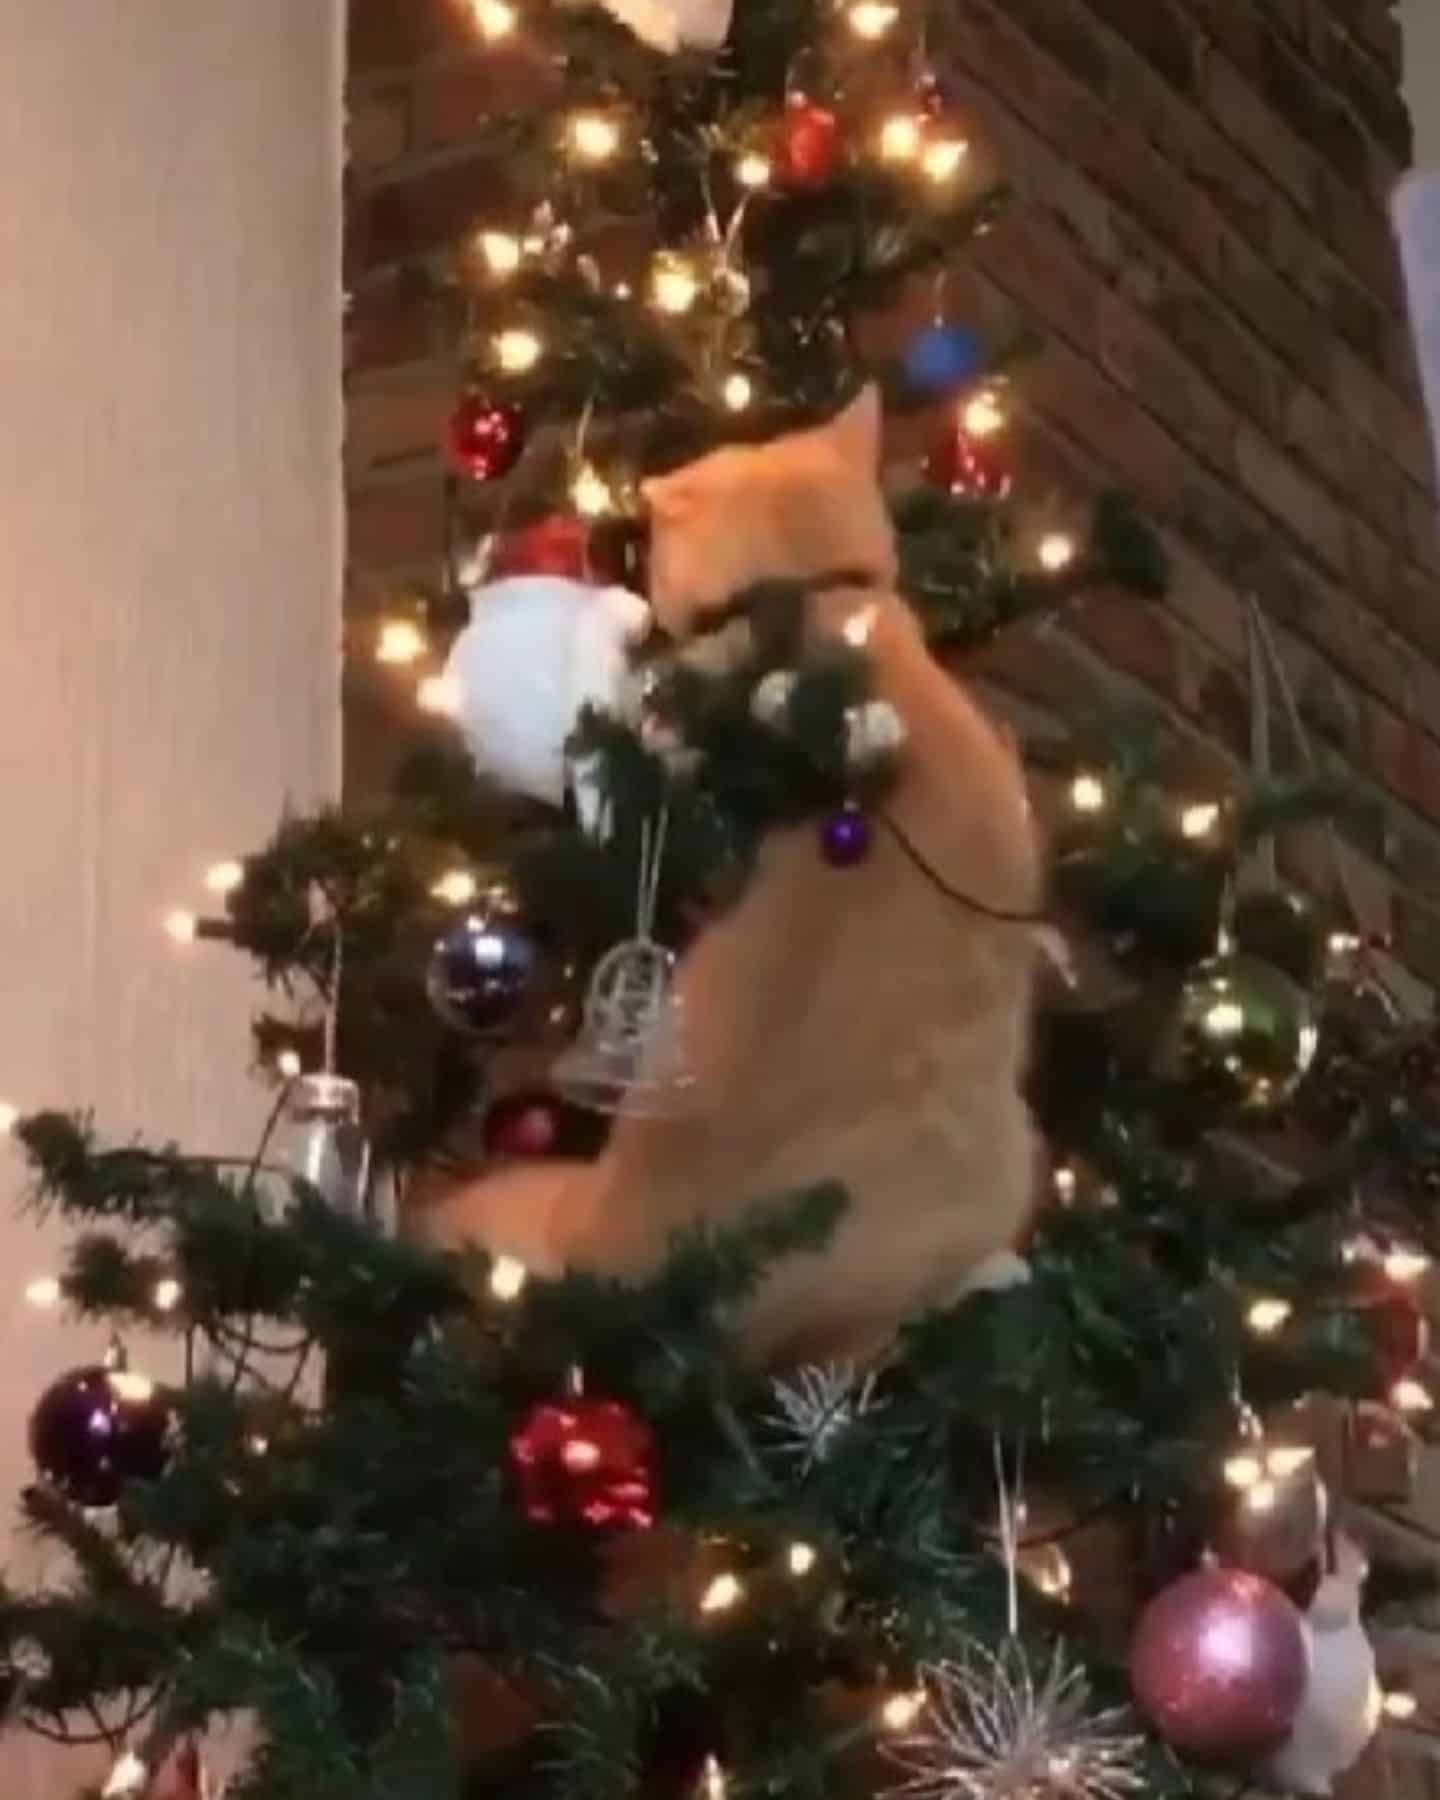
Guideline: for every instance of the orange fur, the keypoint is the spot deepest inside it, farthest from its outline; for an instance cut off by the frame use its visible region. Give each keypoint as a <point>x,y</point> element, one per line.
<point>855,1025</point>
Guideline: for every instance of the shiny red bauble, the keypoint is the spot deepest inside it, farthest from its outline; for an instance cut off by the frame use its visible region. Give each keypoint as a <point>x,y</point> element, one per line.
<point>1219,1665</point>
<point>527,1123</point>
<point>485,437</point>
<point>1394,1321</point>
<point>971,468</point>
<point>585,1462</point>
<point>807,149</point>
<point>557,545</point>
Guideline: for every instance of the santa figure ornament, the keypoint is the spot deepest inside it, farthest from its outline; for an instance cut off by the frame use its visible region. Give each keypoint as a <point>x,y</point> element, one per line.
<point>1341,1709</point>
<point>537,650</point>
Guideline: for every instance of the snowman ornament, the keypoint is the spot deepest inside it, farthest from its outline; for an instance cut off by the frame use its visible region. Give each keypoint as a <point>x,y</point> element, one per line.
<point>1341,1710</point>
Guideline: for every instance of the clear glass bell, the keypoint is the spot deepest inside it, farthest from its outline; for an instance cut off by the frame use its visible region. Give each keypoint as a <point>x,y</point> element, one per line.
<point>629,1056</point>
<point>326,1147</point>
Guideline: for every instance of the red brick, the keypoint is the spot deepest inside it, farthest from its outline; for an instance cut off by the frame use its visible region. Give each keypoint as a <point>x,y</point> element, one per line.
<point>1314,431</point>
<point>386,35</point>
<point>1145,362</point>
<point>406,218</point>
<point>1032,263</point>
<point>1131,635</point>
<point>1291,497</point>
<point>395,524</point>
<point>397,415</point>
<point>377,130</point>
<point>387,323</point>
<point>453,104</point>
<point>1243,115</point>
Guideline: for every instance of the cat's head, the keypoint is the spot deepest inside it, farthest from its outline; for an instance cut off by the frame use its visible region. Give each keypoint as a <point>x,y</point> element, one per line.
<point>805,505</point>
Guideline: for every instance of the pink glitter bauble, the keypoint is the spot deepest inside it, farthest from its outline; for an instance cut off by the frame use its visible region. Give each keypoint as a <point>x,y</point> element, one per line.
<point>1220,1664</point>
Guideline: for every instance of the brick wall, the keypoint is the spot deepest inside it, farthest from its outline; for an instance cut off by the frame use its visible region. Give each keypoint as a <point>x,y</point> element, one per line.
<point>1201,234</point>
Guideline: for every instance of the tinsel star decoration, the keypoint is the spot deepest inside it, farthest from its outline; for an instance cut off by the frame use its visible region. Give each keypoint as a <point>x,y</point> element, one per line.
<point>816,1405</point>
<point>994,1728</point>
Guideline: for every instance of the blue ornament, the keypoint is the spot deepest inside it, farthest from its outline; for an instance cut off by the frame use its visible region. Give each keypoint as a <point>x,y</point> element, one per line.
<point>845,838</point>
<point>943,358</point>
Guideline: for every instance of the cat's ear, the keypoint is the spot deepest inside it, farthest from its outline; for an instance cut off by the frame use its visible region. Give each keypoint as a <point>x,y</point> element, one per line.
<point>855,433</point>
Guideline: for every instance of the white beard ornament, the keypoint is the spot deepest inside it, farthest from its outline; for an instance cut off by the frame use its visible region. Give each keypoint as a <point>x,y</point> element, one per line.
<point>1341,1710</point>
<point>671,25</point>
<point>537,651</point>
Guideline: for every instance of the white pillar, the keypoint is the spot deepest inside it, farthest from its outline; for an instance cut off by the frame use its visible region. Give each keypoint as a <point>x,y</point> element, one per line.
<point>170,533</point>
<point>1422,54</point>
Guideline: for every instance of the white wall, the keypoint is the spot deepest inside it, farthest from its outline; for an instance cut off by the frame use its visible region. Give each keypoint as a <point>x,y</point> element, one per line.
<point>169,559</point>
<point>1422,51</point>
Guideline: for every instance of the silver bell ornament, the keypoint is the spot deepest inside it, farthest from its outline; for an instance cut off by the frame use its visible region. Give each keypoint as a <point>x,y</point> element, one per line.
<point>629,1056</point>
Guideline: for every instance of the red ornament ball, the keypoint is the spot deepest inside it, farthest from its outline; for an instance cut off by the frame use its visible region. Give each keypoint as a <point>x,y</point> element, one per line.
<point>527,1123</point>
<point>486,437</point>
<point>1220,1664</point>
<point>585,1462</point>
<point>807,151</point>
<point>552,546</point>
<point>97,1429</point>
<point>1394,1322</point>
<point>971,468</point>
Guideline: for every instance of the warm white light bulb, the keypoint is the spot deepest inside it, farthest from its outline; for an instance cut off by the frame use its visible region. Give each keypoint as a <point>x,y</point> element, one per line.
<point>1406,1265</point>
<point>1056,552</point>
<point>1261,1497</point>
<point>508,1276</point>
<point>738,391</point>
<point>859,628</point>
<point>495,19</point>
<point>1244,1471</point>
<point>439,695</point>
<point>517,350</point>
<point>399,642</point>
<point>1087,794</point>
<point>1286,1461</point>
<point>224,877</point>
<point>181,926</point>
<point>502,251</point>
<point>674,286</point>
<point>1200,820</point>
<point>723,1593</point>
<point>1411,1396</point>
<point>288,1065</point>
<point>1266,1317</point>
<point>801,1558</point>
<point>1343,943</point>
<point>871,19</point>
<point>1400,1705</point>
<point>43,1292</point>
<point>942,159</point>
<point>168,1294</point>
<point>131,1386</point>
<point>983,416</point>
<point>590,494</point>
<point>712,1780</point>
<point>128,1775</point>
<point>752,170</point>
<point>1065,1184</point>
<point>900,138</point>
<point>901,1711</point>
<point>456,887</point>
<point>594,138</point>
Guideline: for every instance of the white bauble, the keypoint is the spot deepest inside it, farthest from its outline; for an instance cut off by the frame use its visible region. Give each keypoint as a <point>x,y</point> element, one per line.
<point>537,650</point>
<point>672,25</point>
<point>1341,1710</point>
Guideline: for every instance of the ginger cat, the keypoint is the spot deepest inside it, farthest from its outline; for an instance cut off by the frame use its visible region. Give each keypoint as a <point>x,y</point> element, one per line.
<point>858,1025</point>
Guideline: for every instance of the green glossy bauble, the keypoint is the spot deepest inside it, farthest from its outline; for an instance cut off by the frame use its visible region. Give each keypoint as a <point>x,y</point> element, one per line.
<point>1243,1031</point>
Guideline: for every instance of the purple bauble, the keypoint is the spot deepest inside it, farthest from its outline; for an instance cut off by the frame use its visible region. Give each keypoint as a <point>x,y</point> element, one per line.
<point>96,1429</point>
<point>845,838</point>
<point>1220,1665</point>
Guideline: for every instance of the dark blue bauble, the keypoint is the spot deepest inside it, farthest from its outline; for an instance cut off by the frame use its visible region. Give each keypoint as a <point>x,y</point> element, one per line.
<point>845,838</point>
<point>95,1430</point>
<point>943,358</point>
<point>486,965</point>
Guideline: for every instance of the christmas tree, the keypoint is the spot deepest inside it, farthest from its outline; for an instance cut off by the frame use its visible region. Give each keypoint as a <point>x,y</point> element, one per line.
<point>1075,1524</point>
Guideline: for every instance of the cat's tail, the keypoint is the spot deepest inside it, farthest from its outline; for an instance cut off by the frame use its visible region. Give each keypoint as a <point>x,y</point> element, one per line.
<point>521,1211</point>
